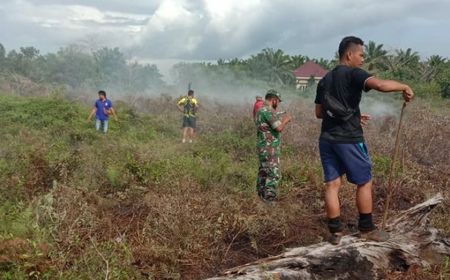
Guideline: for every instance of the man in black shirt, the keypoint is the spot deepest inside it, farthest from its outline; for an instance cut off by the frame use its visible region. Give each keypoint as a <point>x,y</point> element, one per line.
<point>341,143</point>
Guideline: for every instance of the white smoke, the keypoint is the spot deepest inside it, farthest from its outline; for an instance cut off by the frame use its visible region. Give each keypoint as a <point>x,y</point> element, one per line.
<point>380,105</point>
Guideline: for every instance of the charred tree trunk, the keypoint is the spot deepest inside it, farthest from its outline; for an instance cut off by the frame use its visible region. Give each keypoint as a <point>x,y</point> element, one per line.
<point>412,243</point>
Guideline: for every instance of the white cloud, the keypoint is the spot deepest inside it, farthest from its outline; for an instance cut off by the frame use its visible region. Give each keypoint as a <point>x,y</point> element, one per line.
<point>212,29</point>
<point>51,26</point>
<point>134,6</point>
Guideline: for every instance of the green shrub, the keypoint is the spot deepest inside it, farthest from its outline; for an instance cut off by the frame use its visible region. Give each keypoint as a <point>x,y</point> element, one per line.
<point>150,207</point>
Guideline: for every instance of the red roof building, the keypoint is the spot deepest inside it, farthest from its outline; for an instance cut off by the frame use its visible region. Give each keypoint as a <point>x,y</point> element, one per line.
<point>308,70</point>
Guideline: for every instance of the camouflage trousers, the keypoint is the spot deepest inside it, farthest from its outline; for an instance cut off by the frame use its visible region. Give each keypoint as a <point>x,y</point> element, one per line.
<point>268,174</point>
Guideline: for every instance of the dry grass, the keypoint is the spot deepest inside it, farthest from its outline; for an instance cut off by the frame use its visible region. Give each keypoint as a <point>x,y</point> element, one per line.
<point>140,205</point>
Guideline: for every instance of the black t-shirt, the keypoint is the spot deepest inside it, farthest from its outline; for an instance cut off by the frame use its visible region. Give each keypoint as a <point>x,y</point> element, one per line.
<point>348,84</point>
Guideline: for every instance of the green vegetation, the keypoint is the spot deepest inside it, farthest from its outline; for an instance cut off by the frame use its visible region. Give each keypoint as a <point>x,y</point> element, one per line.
<point>429,77</point>
<point>77,68</point>
<point>138,204</point>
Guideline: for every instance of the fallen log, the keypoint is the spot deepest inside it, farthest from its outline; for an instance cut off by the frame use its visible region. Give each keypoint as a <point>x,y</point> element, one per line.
<point>413,243</point>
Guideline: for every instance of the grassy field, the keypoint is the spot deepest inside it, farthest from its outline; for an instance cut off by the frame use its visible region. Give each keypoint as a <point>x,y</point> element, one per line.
<point>138,204</point>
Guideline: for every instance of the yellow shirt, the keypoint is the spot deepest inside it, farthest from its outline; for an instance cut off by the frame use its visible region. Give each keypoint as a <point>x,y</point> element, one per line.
<point>190,106</point>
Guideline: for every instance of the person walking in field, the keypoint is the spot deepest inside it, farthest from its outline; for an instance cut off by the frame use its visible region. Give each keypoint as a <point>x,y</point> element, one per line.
<point>341,143</point>
<point>102,109</point>
<point>189,106</point>
<point>269,126</point>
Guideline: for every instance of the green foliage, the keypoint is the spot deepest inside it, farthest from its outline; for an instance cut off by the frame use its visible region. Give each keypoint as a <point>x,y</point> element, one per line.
<point>2,53</point>
<point>78,68</point>
<point>375,57</point>
<point>274,68</point>
<point>58,116</point>
<point>326,63</point>
<point>381,164</point>
<point>16,220</point>
<point>427,90</point>
<point>108,260</point>
<point>443,79</point>
<point>445,273</point>
<point>136,203</point>
<point>113,176</point>
<point>70,66</point>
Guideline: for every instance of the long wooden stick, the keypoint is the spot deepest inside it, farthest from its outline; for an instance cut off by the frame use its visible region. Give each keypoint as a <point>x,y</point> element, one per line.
<point>390,188</point>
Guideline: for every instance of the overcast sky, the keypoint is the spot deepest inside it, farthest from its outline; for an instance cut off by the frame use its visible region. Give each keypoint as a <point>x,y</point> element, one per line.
<point>213,29</point>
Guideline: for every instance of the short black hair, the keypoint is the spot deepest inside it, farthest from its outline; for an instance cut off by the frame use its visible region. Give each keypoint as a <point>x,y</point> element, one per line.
<point>347,43</point>
<point>102,92</point>
<point>190,92</point>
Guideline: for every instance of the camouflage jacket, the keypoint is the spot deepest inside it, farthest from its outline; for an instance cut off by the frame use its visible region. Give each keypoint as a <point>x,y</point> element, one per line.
<point>266,121</point>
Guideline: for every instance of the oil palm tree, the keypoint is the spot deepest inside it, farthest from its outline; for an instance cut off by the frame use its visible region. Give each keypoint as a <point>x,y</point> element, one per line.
<point>430,68</point>
<point>375,57</point>
<point>404,65</point>
<point>325,63</point>
<point>272,66</point>
<point>298,60</point>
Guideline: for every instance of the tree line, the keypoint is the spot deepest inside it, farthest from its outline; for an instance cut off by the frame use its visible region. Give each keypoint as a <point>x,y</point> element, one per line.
<point>429,77</point>
<point>75,67</point>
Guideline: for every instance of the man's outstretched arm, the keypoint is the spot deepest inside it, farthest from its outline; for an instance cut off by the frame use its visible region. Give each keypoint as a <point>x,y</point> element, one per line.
<point>390,86</point>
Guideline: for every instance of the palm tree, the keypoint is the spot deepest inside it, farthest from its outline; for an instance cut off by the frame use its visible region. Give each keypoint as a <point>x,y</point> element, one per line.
<point>272,66</point>
<point>408,58</point>
<point>436,60</point>
<point>298,60</point>
<point>431,67</point>
<point>404,64</point>
<point>375,57</point>
<point>325,63</point>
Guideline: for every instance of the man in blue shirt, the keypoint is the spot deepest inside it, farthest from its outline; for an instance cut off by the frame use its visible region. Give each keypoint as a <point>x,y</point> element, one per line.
<point>102,109</point>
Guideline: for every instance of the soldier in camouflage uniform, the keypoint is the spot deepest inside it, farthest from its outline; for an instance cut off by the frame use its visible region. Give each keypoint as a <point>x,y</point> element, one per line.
<point>269,125</point>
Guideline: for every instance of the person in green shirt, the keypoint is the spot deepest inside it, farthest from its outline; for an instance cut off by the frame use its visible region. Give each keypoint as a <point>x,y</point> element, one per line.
<point>269,125</point>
